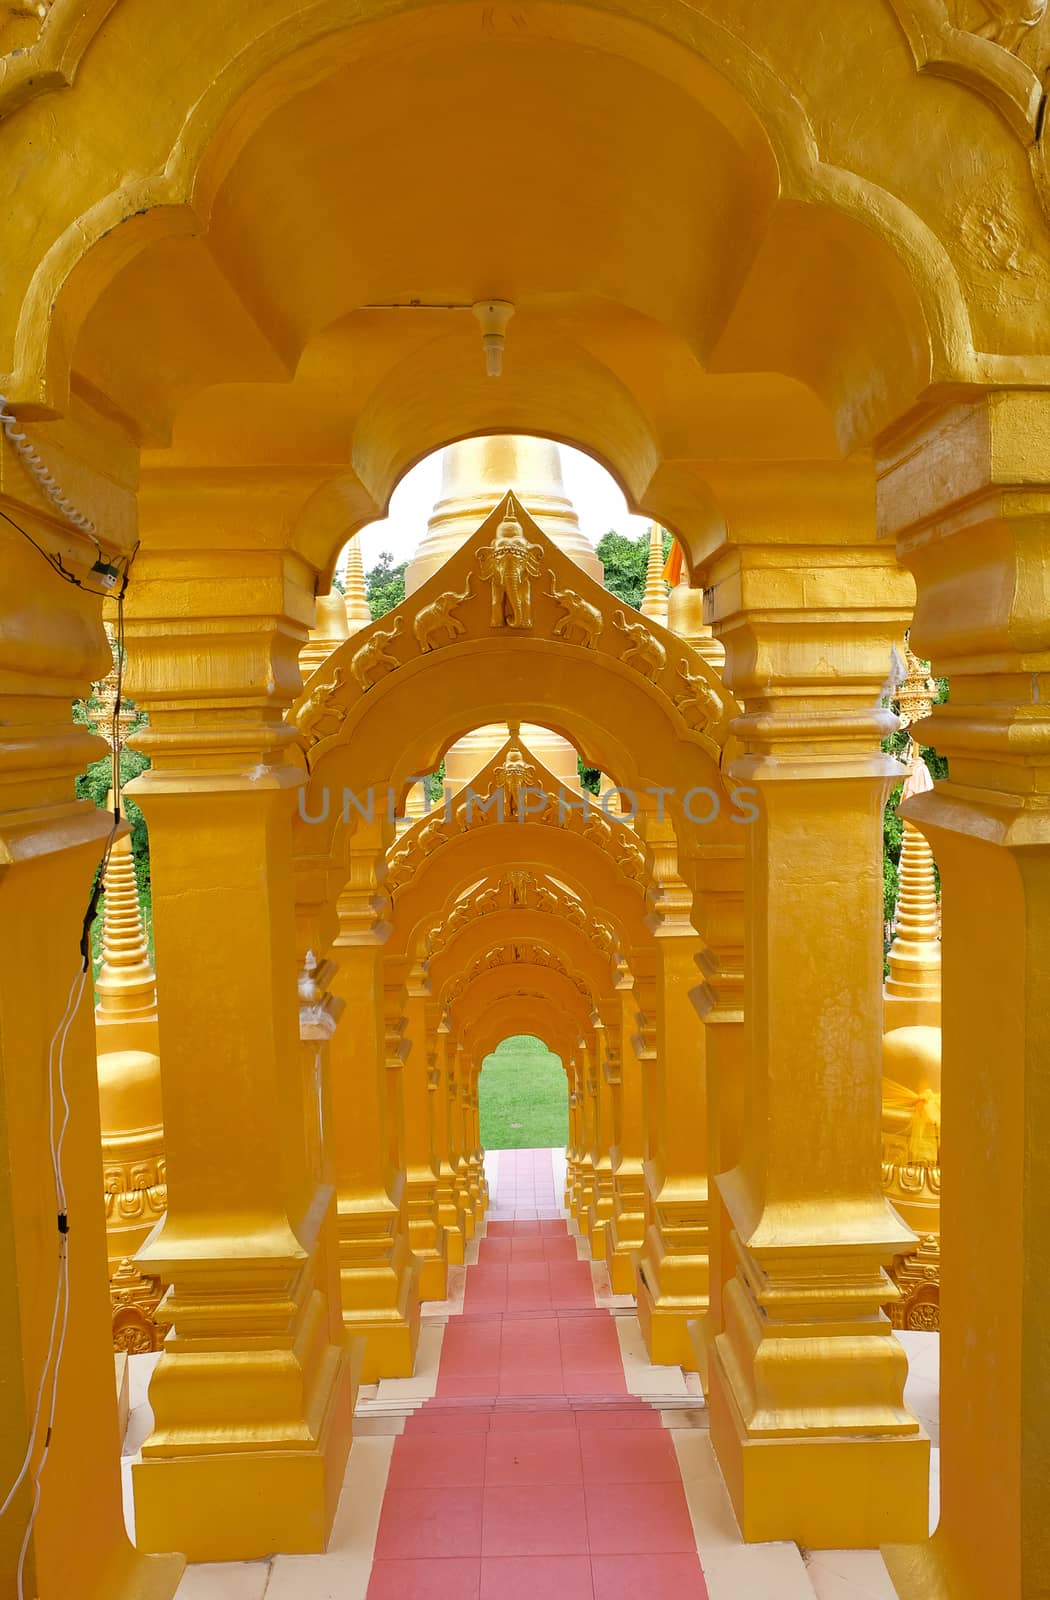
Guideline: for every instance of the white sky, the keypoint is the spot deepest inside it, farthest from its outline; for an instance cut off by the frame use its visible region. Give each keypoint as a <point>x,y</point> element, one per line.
<point>599,503</point>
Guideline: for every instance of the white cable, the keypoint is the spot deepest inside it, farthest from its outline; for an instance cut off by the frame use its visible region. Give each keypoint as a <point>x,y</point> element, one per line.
<point>53,1357</point>
<point>62,1295</point>
<point>38,470</point>
<point>67,1016</point>
<point>62,1286</point>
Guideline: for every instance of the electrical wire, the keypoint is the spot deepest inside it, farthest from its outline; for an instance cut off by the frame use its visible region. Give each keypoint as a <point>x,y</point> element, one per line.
<point>62,1287</point>
<point>56,563</point>
<point>56,1142</point>
<point>67,1014</point>
<point>38,470</point>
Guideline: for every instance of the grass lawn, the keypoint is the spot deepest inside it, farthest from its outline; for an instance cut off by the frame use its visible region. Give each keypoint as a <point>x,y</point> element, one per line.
<point>523,1097</point>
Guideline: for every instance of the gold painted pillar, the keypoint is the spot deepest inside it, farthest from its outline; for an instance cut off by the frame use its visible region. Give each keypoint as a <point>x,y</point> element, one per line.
<point>379,1274</point>
<point>409,992</point>
<point>252,1398</point>
<point>470,1071</point>
<point>968,497</point>
<point>573,1149</point>
<point>459,1112</point>
<point>51,645</point>
<point>450,1213</point>
<point>716,877</point>
<point>672,1266</point>
<point>806,1381</point>
<point>627,1225</point>
<point>607,1081</point>
<point>587,1081</point>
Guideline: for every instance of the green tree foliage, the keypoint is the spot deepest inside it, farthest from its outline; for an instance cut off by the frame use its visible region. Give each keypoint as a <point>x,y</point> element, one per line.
<point>625,561</point>
<point>589,776</point>
<point>435,782</point>
<point>385,585</point>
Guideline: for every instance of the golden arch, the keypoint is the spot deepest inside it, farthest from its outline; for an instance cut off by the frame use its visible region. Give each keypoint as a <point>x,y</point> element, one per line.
<point>398,708</point>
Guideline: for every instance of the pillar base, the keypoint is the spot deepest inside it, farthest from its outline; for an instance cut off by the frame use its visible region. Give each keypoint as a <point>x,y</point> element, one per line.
<point>626,1233</point>
<point>831,1493</point>
<point>665,1327</point>
<point>927,1571</point>
<point>433,1273</point>
<point>390,1341</point>
<point>390,1333</point>
<point>136,1576</point>
<point>620,1257</point>
<point>599,1221</point>
<point>243,1505</point>
<point>379,1287</point>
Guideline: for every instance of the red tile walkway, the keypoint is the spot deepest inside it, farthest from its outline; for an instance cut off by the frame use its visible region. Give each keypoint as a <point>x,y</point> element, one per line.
<point>533,1473</point>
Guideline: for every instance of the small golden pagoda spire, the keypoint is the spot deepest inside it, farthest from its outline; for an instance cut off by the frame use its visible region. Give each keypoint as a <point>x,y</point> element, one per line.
<point>126,983</point>
<point>654,600</point>
<point>358,612</point>
<point>913,988</point>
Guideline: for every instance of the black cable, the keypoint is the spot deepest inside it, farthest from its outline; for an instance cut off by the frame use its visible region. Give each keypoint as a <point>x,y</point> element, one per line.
<point>56,564</point>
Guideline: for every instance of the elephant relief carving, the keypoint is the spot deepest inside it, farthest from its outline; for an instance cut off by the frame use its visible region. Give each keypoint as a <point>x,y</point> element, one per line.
<point>510,563</point>
<point>318,706</point>
<point>699,703</point>
<point>374,659</point>
<point>437,619</point>
<point>645,653</point>
<point>581,623</point>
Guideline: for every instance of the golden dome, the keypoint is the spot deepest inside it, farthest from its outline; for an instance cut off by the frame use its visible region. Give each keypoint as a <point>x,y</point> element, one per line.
<point>475,475</point>
<point>129,1094</point>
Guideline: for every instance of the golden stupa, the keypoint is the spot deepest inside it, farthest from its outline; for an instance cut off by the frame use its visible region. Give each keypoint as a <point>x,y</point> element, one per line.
<point>475,475</point>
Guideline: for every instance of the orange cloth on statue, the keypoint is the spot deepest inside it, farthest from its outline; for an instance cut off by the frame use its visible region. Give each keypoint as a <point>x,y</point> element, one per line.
<point>924,1129</point>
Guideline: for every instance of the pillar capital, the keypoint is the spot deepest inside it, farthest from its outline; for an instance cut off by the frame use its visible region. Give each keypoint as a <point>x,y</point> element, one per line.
<point>213,646</point>
<point>967,496</point>
<point>809,606</point>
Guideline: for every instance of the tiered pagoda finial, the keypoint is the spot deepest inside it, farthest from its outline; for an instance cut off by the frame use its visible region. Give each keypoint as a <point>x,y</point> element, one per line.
<point>654,600</point>
<point>358,611</point>
<point>126,983</point>
<point>913,987</point>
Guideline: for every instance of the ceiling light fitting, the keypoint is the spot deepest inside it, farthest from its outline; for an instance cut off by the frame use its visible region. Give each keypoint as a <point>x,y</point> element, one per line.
<point>492,316</point>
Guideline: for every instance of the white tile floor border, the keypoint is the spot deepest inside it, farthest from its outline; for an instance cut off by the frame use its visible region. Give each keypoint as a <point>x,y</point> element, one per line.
<point>643,1379</point>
